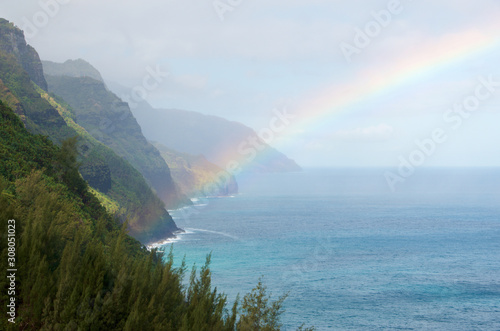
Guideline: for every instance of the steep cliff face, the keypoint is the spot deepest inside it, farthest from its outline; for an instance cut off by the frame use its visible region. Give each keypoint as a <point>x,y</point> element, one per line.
<point>109,120</point>
<point>121,183</point>
<point>219,140</point>
<point>20,94</point>
<point>12,42</point>
<point>196,176</point>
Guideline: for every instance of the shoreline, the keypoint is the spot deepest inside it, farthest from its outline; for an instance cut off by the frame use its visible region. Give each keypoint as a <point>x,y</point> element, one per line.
<point>196,203</point>
<point>163,242</point>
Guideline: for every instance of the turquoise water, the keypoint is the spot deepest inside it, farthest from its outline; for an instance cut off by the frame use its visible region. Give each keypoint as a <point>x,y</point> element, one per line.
<point>352,254</point>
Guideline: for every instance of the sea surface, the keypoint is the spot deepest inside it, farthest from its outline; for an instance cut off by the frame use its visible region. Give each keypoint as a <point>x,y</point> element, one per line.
<point>352,254</point>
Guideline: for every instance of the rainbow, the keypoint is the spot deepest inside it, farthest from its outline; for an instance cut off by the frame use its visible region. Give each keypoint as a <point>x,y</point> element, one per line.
<point>326,106</point>
<point>370,84</point>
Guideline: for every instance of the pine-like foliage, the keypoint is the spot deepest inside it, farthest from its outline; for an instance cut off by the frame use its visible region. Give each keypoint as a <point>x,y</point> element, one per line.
<point>77,267</point>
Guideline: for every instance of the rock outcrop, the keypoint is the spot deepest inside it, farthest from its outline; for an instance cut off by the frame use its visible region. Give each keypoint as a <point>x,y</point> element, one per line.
<point>12,41</point>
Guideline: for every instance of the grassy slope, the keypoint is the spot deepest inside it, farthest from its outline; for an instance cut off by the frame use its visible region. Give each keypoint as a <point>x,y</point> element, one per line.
<point>128,194</point>
<point>109,120</point>
<point>147,217</point>
<point>75,268</point>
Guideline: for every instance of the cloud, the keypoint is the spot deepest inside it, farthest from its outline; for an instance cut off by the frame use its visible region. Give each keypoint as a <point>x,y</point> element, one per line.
<point>271,50</point>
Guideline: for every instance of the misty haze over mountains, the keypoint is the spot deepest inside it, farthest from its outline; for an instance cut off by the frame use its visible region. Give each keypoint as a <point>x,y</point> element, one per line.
<point>343,154</point>
<point>220,140</point>
<point>411,69</point>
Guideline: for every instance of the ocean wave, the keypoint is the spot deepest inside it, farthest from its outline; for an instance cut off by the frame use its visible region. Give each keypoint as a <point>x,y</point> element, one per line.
<point>177,237</point>
<point>170,211</point>
<point>214,232</point>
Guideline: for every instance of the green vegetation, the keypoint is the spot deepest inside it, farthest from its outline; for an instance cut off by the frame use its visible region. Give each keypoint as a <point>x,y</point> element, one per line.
<point>111,206</point>
<point>41,118</point>
<point>109,120</point>
<point>100,166</point>
<point>11,100</point>
<point>118,181</point>
<point>77,267</point>
<point>12,42</point>
<point>79,270</point>
<point>259,314</point>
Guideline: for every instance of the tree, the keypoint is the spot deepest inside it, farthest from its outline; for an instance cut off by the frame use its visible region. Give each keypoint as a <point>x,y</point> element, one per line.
<point>259,314</point>
<point>67,165</point>
<point>205,310</point>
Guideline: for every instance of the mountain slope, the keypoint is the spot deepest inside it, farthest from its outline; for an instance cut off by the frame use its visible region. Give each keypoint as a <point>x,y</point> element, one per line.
<point>120,182</point>
<point>12,42</point>
<point>106,171</point>
<point>109,120</point>
<point>39,117</point>
<point>197,176</point>
<point>74,269</point>
<point>219,140</point>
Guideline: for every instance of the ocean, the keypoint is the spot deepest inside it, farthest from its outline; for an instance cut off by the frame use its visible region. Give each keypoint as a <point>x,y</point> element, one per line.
<point>352,254</point>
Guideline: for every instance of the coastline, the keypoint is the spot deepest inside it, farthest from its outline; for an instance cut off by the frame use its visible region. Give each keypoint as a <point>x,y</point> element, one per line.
<point>198,203</point>
<point>166,241</point>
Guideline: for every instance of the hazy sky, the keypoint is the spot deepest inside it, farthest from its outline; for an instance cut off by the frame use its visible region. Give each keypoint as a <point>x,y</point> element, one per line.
<point>365,78</point>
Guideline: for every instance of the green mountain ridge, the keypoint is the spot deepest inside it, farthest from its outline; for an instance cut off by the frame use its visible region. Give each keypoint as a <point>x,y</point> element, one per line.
<point>119,182</point>
<point>93,101</point>
<point>109,120</point>
<point>74,267</point>
<point>76,270</point>
<point>113,176</point>
<point>221,141</point>
<point>12,42</point>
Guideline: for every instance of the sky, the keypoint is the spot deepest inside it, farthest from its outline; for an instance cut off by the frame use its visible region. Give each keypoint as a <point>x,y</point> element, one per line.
<point>351,82</point>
